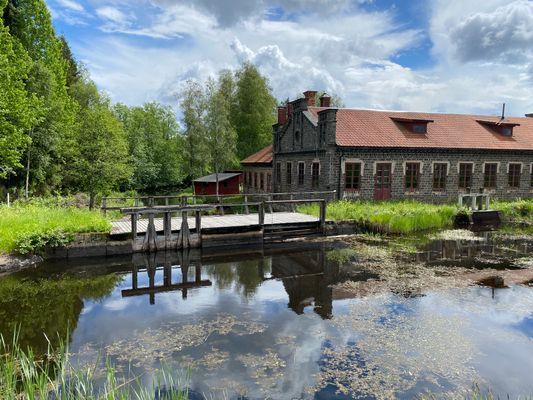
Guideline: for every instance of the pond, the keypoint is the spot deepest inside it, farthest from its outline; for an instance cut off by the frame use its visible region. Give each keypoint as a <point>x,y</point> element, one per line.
<point>305,320</point>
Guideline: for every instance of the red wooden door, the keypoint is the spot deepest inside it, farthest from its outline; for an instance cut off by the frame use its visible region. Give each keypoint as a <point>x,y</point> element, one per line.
<point>382,181</point>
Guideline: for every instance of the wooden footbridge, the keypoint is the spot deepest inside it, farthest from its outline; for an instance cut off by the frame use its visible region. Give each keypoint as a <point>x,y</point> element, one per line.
<point>190,224</point>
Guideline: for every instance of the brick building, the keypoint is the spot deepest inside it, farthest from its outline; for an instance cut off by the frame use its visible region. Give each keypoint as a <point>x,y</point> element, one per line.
<point>368,154</point>
<point>257,172</point>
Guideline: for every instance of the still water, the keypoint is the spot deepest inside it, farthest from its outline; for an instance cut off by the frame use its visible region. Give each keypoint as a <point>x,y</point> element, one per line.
<point>280,323</point>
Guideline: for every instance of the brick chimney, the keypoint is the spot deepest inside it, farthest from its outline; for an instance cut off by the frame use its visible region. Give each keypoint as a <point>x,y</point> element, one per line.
<point>310,97</point>
<point>529,115</point>
<point>325,100</point>
<point>282,115</point>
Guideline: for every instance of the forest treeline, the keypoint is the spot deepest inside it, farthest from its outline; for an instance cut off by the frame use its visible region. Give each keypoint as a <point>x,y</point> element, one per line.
<point>60,134</point>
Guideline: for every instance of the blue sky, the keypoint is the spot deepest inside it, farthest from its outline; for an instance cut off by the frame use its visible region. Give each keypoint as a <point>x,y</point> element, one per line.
<point>465,56</point>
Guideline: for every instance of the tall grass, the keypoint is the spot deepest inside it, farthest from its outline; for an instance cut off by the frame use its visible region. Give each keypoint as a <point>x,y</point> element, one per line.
<point>37,218</point>
<point>518,211</point>
<point>392,217</point>
<point>25,376</point>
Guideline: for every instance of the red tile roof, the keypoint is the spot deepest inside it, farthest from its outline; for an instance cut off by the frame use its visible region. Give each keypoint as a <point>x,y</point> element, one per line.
<point>263,156</point>
<point>371,128</point>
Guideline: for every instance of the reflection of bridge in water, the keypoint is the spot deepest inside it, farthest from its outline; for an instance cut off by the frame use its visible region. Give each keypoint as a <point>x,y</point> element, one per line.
<point>306,273</point>
<point>150,265</point>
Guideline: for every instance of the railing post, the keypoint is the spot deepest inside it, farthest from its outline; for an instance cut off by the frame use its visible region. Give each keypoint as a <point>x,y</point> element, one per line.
<point>136,202</point>
<point>323,216</point>
<point>150,201</point>
<point>270,204</point>
<point>221,207</point>
<point>133,227</point>
<point>183,201</point>
<point>246,210</point>
<point>104,204</point>
<point>166,201</point>
<point>261,214</point>
<point>487,202</point>
<point>293,207</point>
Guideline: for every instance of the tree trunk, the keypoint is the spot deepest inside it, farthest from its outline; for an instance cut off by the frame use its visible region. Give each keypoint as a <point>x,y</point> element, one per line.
<point>92,198</point>
<point>27,187</point>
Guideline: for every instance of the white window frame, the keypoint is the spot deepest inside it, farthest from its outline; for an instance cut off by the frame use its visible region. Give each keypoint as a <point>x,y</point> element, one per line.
<point>392,163</point>
<point>420,166</point>
<point>521,166</point>
<point>352,161</point>
<point>467,162</point>
<point>492,162</point>
<point>440,162</point>
<point>298,174</point>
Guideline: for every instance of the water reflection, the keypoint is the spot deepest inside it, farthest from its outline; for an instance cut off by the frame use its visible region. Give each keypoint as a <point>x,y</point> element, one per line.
<point>257,323</point>
<point>306,274</point>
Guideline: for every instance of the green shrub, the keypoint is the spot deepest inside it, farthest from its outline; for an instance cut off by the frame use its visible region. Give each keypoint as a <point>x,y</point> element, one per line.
<point>35,242</point>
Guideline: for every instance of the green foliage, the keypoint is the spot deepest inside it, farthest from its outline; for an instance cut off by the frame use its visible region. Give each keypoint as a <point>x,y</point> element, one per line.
<point>518,211</point>
<point>221,135</point>
<point>24,220</point>
<point>392,217</point>
<point>25,375</point>
<point>17,106</point>
<point>100,162</point>
<point>33,242</point>
<point>154,142</point>
<point>254,111</point>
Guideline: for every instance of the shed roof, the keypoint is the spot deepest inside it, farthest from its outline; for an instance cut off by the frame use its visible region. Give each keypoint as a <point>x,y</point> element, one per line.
<point>373,128</point>
<point>222,176</point>
<point>263,156</point>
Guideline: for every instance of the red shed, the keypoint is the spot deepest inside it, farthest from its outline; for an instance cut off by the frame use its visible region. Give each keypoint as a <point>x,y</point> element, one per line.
<point>228,183</point>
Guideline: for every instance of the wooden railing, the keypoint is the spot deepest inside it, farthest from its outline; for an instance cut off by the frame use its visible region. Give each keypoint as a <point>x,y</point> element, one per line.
<point>183,200</point>
<point>478,201</point>
<point>187,238</point>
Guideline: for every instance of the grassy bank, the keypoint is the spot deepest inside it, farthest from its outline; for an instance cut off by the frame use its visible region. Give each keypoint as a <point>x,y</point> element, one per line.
<point>518,211</point>
<point>392,217</point>
<point>24,375</point>
<point>27,224</point>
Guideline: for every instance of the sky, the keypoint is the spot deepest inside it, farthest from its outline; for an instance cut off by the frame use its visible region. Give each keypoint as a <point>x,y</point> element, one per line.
<point>458,56</point>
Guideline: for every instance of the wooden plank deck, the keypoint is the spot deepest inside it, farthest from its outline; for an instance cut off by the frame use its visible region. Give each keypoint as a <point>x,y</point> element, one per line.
<point>216,221</point>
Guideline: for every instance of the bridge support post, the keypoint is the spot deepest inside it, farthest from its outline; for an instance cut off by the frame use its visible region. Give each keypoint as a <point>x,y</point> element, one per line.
<point>167,229</point>
<point>198,224</point>
<point>150,239</point>
<point>323,216</point>
<point>184,237</point>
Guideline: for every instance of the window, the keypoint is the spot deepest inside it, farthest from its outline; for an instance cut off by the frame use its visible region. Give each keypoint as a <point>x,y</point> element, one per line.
<point>465,175</point>
<point>278,173</point>
<point>514,175</point>
<point>352,179</point>
<point>412,172</point>
<point>491,173</point>
<point>315,174</point>
<point>301,173</point>
<point>440,172</point>
<point>289,173</point>
<point>420,128</point>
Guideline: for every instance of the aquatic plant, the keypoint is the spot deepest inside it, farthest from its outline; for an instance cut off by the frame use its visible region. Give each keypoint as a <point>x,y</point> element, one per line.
<point>26,376</point>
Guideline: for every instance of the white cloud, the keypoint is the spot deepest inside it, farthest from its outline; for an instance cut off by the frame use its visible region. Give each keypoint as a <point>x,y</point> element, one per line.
<point>345,50</point>
<point>71,5</point>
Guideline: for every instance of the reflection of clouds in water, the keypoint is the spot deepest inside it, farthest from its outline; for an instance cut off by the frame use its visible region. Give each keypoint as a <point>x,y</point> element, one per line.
<point>432,337</point>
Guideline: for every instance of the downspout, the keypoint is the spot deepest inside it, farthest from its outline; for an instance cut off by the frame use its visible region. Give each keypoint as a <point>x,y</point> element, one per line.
<point>340,175</point>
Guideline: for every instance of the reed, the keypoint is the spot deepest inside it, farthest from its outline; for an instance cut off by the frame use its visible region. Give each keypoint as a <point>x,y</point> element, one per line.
<point>26,376</point>
<point>389,217</point>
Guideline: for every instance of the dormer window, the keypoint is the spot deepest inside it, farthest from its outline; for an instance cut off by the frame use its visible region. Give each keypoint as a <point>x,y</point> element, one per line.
<point>501,127</point>
<point>412,125</point>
